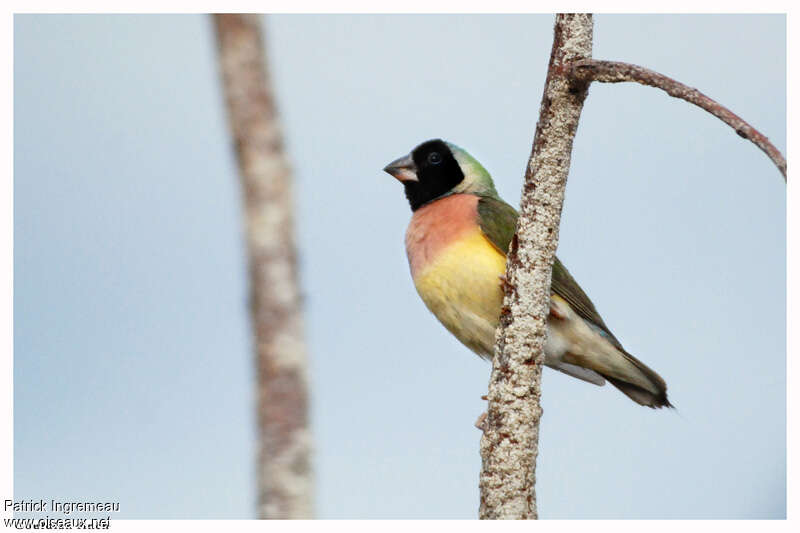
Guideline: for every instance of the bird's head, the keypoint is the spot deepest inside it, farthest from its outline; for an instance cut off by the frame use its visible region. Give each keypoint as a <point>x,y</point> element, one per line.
<point>437,168</point>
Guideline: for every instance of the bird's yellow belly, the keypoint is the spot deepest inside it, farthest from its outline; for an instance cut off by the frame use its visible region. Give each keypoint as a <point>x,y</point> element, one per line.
<point>461,286</point>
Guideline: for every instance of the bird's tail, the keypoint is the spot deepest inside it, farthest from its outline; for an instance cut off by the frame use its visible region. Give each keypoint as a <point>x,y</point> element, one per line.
<point>654,396</point>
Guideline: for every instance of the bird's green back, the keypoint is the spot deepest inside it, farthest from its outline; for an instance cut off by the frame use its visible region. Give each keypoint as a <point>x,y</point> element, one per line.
<point>498,221</point>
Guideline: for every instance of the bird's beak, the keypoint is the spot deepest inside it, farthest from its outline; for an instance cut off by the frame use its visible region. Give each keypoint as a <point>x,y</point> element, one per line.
<point>403,169</point>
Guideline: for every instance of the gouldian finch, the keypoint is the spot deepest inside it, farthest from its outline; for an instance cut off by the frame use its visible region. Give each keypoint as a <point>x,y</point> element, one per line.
<point>456,244</point>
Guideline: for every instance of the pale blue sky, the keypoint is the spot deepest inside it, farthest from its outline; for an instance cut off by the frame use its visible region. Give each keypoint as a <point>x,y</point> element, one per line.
<point>133,373</point>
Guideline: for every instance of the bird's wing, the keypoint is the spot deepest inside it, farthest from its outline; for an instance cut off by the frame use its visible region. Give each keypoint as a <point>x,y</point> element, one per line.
<point>498,221</point>
<point>565,286</point>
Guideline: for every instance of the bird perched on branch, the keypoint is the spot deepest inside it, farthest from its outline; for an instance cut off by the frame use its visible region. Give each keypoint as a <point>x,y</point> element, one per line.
<point>456,244</point>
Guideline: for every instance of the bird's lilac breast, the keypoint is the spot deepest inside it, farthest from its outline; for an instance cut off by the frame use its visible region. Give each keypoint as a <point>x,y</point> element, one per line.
<point>436,226</point>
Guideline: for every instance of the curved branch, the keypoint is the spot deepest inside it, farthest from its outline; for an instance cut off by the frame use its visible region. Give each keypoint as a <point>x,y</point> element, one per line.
<point>615,72</point>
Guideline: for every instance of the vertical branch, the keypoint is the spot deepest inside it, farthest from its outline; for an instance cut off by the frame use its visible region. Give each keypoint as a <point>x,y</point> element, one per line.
<point>284,468</point>
<point>509,445</point>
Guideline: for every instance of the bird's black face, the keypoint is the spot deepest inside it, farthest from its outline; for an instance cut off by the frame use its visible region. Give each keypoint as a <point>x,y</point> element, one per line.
<point>429,172</point>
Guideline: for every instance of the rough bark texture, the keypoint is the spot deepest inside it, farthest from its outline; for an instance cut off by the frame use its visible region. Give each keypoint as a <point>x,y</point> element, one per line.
<point>615,72</point>
<point>509,445</point>
<point>284,466</point>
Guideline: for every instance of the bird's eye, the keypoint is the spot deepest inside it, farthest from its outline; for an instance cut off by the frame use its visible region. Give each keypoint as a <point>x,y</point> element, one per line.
<point>434,158</point>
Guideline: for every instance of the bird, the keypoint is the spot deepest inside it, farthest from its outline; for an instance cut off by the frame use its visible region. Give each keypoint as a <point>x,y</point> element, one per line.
<point>456,243</point>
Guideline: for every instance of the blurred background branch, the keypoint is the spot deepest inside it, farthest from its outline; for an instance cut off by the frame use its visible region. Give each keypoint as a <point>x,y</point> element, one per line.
<point>284,462</point>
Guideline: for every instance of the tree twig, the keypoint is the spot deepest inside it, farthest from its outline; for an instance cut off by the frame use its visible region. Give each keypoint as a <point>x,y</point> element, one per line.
<point>587,70</point>
<point>284,465</point>
<point>509,445</point>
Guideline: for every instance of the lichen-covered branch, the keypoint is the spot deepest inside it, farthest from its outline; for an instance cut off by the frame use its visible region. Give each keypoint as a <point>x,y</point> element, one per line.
<point>509,445</point>
<point>284,466</point>
<point>588,70</point>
